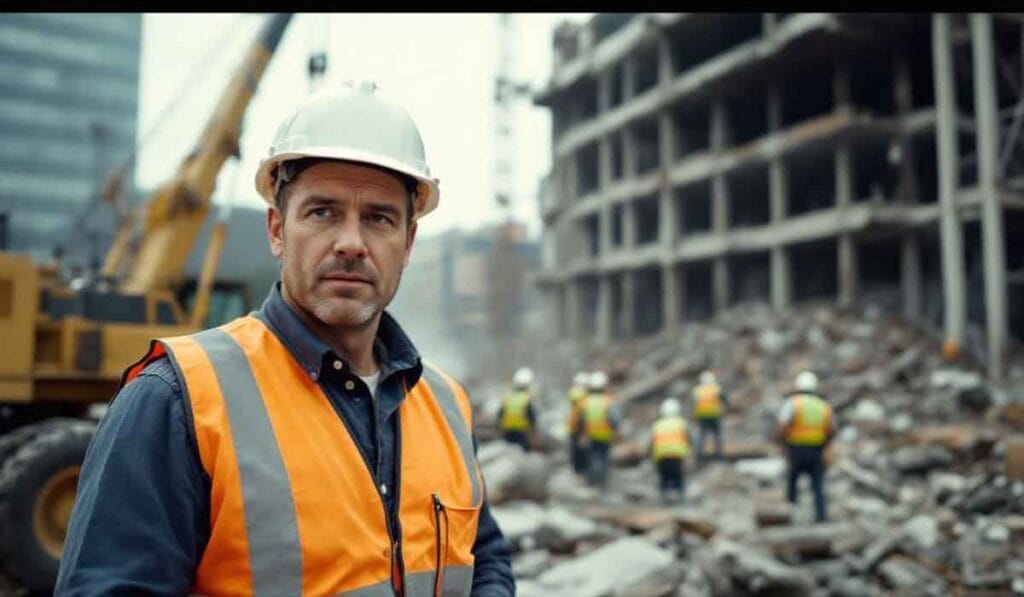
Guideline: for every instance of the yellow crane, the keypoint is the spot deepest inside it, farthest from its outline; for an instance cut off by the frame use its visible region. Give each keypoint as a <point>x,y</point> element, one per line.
<point>63,349</point>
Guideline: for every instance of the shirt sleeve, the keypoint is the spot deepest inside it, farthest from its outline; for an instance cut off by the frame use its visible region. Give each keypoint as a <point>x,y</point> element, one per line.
<point>492,568</point>
<point>141,516</point>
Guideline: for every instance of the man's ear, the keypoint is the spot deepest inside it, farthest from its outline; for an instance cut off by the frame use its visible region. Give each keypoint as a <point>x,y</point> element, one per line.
<point>409,239</point>
<point>275,231</point>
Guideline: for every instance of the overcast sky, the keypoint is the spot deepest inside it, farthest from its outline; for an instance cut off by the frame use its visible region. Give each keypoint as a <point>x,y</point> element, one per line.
<point>440,66</point>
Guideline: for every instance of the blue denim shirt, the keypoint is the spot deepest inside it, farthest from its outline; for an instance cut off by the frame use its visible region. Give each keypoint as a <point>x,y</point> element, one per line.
<point>141,519</point>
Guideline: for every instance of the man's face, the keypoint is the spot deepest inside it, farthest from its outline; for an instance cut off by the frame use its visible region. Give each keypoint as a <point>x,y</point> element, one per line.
<point>342,242</point>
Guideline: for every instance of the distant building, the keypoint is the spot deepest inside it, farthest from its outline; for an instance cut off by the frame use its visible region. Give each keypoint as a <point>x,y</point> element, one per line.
<point>69,89</point>
<point>466,297</point>
<point>700,160</point>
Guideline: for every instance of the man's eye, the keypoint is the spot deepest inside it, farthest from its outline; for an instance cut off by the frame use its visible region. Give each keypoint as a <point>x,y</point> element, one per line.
<point>320,212</point>
<point>379,219</point>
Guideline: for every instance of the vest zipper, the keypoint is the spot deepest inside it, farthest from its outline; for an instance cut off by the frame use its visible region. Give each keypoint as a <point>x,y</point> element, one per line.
<point>438,509</point>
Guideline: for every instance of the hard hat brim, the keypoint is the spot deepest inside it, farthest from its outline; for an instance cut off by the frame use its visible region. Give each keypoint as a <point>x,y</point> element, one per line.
<point>427,197</point>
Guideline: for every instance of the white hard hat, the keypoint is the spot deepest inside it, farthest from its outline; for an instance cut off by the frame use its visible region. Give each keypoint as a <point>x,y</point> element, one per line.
<point>707,378</point>
<point>598,380</point>
<point>580,379</point>
<point>807,382</point>
<point>352,122</point>
<point>523,377</point>
<point>670,407</point>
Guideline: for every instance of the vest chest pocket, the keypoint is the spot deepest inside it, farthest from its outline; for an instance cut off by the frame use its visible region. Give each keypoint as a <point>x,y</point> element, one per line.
<point>455,530</point>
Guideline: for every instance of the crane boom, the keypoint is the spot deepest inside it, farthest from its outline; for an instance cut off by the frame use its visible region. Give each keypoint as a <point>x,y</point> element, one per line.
<point>178,209</point>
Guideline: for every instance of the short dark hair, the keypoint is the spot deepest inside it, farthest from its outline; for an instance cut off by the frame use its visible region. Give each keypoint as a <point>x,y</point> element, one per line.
<point>289,171</point>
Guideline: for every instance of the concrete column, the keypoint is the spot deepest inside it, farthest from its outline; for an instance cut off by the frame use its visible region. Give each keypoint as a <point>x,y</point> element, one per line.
<point>570,306</point>
<point>666,70</point>
<point>847,269</point>
<point>670,298</point>
<point>781,277</point>
<point>627,317</point>
<point>628,153</point>
<point>604,90</point>
<point>629,225</point>
<point>841,87</point>
<point>720,283</point>
<point>951,234</point>
<point>908,190</point>
<point>768,22</point>
<point>910,274</point>
<point>993,244</point>
<point>668,233</point>
<point>628,77</point>
<point>604,229</point>
<point>604,162</point>
<point>603,317</point>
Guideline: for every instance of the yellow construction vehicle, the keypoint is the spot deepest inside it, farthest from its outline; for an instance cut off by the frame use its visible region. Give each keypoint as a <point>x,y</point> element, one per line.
<point>63,347</point>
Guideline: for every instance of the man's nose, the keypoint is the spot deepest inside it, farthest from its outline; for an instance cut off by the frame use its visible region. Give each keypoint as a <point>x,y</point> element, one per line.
<point>348,239</point>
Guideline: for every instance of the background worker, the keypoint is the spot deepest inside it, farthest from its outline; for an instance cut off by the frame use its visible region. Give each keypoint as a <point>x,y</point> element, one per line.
<point>708,403</point>
<point>517,417</point>
<point>670,445</point>
<point>577,439</point>
<point>806,426</point>
<point>601,421</point>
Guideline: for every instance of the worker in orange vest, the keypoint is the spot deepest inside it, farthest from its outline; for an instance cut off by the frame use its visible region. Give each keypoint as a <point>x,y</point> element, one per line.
<point>305,448</point>
<point>577,439</point>
<point>708,403</point>
<point>670,445</point>
<point>806,425</point>
<point>600,420</point>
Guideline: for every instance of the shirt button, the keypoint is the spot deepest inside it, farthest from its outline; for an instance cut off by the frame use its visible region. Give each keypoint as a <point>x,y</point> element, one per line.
<point>350,385</point>
<point>383,489</point>
<point>338,365</point>
<point>312,375</point>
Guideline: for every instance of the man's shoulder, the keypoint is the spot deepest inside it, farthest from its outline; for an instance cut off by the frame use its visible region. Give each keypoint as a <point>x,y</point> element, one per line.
<point>158,373</point>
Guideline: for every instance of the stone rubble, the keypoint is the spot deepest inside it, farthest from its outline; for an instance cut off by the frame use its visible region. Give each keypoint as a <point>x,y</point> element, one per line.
<point>925,481</point>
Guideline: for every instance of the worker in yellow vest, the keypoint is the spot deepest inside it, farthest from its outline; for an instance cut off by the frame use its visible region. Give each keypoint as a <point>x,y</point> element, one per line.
<point>806,426</point>
<point>708,403</point>
<point>670,445</point>
<point>517,417</point>
<point>577,439</point>
<point>600,419</point>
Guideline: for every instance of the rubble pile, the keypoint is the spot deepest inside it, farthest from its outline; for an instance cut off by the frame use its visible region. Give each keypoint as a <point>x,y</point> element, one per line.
<point>925,483</point>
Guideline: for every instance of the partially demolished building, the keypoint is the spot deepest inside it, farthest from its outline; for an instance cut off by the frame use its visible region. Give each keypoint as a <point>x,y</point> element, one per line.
<point>701,160</point>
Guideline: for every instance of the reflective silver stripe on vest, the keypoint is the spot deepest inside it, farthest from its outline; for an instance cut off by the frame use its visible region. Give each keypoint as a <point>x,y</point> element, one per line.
<point>458,582</point>
<point>450,407</point>
<point>275,554</point>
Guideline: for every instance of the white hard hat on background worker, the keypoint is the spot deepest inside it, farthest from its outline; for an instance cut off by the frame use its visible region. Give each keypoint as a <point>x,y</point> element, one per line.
<point>352,122</point>
<point>598,381</point>
<point>670,407</point>
<point>523,377</point>
<point>807,381</point>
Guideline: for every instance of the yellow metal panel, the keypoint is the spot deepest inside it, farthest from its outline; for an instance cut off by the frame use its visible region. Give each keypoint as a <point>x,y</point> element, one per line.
<point>123,344</point>
<point>20,308</point>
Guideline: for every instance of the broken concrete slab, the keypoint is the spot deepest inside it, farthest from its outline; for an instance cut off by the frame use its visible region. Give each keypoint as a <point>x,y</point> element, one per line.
<point>610,568</point>
<point>1013,455</point>
<point>812,541</point>
<point>910,460</point>
<point>515,474</point>
<point>736,569</point>
<point>765,470</point>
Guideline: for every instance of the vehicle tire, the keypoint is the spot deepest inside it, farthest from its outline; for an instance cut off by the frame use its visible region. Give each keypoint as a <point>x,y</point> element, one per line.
<point>37,490</point>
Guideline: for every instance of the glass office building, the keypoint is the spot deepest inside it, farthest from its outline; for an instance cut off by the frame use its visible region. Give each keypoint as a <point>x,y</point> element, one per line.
<point>68,115</point>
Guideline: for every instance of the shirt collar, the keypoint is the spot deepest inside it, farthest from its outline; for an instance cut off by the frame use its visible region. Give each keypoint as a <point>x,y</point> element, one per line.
<point>394,350</point>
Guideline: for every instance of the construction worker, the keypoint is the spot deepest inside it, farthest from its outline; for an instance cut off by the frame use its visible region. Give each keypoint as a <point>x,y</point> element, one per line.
<point>670,445</point>
<point>600,420</point>
<point>806,426</point>
<point>708,403</point>
<point>267,455</point>
<point>577,438</point>
<point>517,417</point>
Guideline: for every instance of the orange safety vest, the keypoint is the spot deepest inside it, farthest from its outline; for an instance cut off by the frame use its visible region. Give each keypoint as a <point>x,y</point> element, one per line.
<point>596,417</point>
<point>669,439</point>
<point>294,509</point>
<point>812,419</point>
<point>707,401</point>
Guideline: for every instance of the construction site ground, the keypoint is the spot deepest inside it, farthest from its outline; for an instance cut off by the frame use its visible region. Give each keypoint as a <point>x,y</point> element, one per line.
<point>925,484</point>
